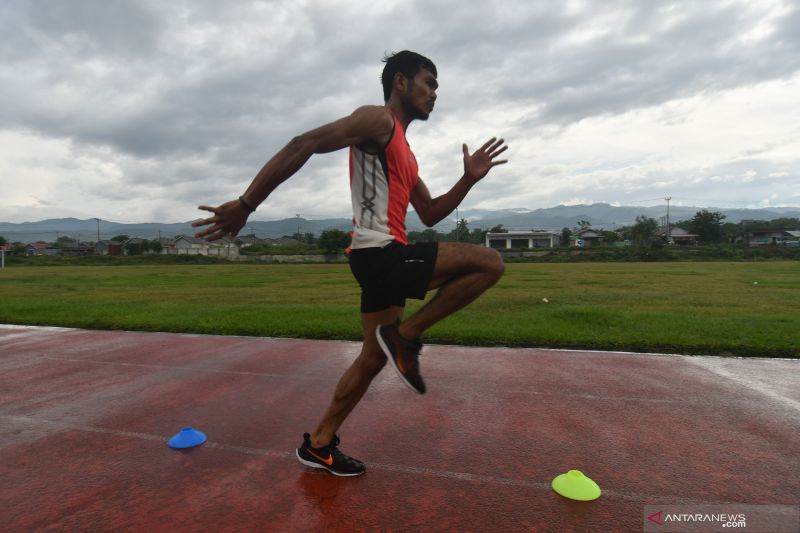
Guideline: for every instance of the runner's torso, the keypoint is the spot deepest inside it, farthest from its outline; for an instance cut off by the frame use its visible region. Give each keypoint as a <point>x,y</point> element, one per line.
<point>380,187</point>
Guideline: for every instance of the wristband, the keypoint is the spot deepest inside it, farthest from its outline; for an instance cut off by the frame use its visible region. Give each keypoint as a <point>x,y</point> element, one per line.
<point>246,205</point>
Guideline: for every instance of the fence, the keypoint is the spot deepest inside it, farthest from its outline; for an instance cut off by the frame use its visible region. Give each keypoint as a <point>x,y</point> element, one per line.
<point>316,258</point>
<point>231,252</point>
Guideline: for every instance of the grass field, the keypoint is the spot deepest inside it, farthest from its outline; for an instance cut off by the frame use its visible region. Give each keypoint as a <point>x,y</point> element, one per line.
<point>700,308</point>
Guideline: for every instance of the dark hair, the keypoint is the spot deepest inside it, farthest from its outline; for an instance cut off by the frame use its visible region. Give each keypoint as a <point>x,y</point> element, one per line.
<point>408,64</point>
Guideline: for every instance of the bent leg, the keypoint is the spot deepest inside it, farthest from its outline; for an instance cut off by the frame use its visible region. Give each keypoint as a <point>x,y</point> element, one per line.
<point>462,273</point>
<point>356,379</point>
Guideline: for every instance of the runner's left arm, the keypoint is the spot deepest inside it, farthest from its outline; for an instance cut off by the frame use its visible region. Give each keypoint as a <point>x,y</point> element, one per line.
<point>431,211</point>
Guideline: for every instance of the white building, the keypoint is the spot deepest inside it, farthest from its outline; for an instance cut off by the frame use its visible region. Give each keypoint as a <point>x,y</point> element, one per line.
<point>524,239</point>
<point>185,245</point>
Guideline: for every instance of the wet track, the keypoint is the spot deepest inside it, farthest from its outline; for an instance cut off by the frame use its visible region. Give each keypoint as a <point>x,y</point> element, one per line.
<point>85,416</point>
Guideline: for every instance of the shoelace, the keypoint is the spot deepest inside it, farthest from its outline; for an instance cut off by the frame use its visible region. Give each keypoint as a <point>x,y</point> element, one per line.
<point>417,345</point>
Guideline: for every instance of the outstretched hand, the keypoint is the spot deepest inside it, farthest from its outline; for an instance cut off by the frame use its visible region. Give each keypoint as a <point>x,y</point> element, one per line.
<point>228,220</point>
<point>477,165</point>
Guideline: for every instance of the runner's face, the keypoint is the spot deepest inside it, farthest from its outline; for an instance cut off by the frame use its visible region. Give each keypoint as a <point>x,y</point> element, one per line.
<point>421,94</point>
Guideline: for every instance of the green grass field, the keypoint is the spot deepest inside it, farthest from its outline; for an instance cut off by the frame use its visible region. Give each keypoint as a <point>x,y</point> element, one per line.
<point>699,308</point>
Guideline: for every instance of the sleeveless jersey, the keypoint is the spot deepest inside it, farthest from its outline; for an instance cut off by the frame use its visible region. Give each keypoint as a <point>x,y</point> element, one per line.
<point>380,188</point>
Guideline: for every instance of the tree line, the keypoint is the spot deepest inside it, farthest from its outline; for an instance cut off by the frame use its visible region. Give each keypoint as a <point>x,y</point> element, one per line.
<point>335,240</point>
<point>709,226</point>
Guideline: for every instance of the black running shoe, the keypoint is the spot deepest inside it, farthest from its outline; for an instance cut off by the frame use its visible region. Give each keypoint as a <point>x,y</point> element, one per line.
<point>403,354</point>
<point>329,457</point>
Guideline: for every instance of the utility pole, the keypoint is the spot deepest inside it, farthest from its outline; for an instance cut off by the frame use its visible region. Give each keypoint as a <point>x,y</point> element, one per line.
<point>458,224</point>
<point>298,226</point>
<point>98,229</point>
<point>669,238</point>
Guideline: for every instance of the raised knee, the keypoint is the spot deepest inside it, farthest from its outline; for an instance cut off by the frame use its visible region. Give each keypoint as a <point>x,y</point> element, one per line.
<point>496,267</point>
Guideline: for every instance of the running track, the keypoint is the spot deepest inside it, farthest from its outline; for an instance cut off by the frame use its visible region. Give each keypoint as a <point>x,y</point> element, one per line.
<point>85,416</point>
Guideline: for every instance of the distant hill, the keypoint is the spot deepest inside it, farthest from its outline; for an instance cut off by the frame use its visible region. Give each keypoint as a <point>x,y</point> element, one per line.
<point>610,217</point>
<point>86,230</point>
<point>600,215</point>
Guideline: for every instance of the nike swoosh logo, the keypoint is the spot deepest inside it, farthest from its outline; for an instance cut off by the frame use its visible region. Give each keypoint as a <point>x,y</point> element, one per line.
<point>328,461</point>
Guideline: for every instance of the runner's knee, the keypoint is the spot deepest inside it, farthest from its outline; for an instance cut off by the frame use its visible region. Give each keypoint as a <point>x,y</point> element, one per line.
<point>373,366</point>
<point>495,267</point>
<point>372,359</point>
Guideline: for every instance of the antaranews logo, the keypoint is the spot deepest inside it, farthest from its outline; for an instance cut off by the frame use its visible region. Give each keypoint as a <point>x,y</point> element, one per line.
<point>722,518</point>
<point>655,518</point>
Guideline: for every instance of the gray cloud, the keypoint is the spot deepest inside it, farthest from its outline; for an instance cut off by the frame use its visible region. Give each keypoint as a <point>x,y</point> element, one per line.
<point>700,51</point>
<point>94,27</point>
<point>201,93</point>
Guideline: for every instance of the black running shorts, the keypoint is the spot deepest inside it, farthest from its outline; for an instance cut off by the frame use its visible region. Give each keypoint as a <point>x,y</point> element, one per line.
<point>393,273</point>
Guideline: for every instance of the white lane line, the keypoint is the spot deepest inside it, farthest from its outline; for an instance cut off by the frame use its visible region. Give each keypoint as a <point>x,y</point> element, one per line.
<point>442,387</point>
<point>25,332</point>
<point>330,379</point>
<point>182,368</point>
<point>34,329</point>
<point>754,385</point>
<point>388,467</point>
<point>21,335</point>
<point>142,436</point>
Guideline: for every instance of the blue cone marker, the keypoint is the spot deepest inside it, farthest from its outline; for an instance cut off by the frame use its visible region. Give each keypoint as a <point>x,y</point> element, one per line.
<point>187,438</point>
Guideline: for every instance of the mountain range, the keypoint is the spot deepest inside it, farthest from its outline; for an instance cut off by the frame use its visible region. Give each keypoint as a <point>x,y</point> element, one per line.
<point>600,215</point>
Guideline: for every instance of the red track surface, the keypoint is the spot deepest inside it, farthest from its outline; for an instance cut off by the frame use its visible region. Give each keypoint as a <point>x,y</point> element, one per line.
<point>85,416</point>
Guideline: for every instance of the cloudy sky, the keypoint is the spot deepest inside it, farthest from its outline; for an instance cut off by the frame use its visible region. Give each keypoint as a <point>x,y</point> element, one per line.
<point>138,111</point>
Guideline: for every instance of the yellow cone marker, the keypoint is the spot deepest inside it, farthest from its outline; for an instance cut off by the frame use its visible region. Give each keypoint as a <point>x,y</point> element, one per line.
<point>576,486</point>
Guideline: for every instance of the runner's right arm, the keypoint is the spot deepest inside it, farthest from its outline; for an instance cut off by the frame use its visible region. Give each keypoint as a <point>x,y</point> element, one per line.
<point>371,125</point>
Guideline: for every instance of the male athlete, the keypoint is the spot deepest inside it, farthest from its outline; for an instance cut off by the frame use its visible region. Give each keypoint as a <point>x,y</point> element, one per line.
<point>383,181</point>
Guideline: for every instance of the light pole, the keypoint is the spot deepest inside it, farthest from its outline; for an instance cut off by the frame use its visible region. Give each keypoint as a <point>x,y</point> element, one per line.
<point>669,239</point>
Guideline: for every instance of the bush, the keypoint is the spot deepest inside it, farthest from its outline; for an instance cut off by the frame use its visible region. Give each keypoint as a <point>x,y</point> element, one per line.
<point>333,240</point>
<point>112,260</point>
<point>281,249</point>
<point>722,252</point>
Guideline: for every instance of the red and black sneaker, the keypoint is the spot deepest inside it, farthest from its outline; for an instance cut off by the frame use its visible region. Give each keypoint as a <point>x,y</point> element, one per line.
<point>403,354</point>
<point>329,457</point>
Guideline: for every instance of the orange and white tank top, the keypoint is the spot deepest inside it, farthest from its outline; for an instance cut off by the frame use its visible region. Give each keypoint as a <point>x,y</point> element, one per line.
<point>380,187</point>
